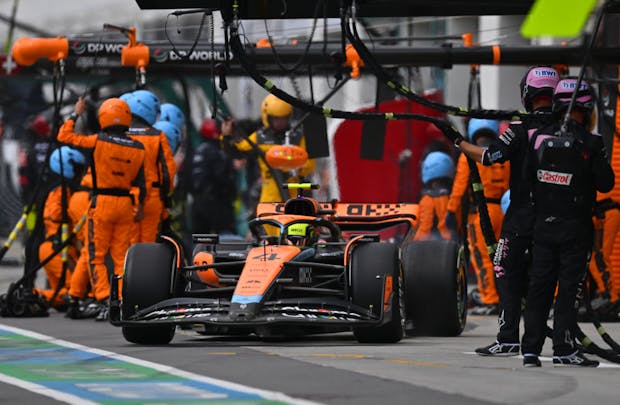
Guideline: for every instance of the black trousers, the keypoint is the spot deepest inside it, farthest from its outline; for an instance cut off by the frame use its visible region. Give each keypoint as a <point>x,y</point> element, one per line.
<point>511,263</point>
<point>560,263</point>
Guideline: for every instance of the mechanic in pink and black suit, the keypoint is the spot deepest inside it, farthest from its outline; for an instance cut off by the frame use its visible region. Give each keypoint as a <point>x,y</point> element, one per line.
<point>566,169</point>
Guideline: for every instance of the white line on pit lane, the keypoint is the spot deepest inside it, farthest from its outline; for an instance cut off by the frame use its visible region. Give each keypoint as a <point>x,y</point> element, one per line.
<point>61,396</point>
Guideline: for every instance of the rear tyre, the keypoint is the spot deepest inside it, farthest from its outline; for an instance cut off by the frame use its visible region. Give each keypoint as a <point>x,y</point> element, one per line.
<point>149,269</point>
<point>371,263</point>
<point>436,287</point>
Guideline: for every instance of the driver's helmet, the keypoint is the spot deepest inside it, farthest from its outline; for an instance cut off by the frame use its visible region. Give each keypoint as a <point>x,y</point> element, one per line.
<point>300,234</point>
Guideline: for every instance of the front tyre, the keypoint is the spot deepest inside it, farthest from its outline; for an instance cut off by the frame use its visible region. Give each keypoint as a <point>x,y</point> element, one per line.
<point>149,270</point>
<point>371,264</point>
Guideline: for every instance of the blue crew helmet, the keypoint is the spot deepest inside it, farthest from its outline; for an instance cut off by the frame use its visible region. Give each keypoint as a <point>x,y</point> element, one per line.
<point>437,165</point>
<point>505,201</point>
<point>172,113</point>
<point>144,104</point>
<point>482,127</point>
<point>67,162</point>
<point>172,132</point>
<point>126,96</point>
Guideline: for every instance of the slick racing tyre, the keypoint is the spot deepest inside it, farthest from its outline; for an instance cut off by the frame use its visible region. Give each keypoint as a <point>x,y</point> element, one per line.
<point>371,263</point>
<point>147,280</point>
<point>435,287</point>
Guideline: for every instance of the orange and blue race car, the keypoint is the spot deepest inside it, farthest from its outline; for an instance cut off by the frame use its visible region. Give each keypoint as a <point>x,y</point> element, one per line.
<point>310,268</point>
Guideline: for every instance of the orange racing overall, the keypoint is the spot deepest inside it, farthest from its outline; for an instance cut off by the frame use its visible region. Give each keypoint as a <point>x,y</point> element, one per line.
<point>433,211</point>
<point>78,206</point>
<point>52,217</point>
<point>117,165</point>
<point>159,172</point>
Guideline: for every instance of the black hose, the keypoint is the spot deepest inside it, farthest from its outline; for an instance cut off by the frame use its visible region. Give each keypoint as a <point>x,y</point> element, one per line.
<point>381,73</point>
<point>597,322</point>
<point>248,66</point>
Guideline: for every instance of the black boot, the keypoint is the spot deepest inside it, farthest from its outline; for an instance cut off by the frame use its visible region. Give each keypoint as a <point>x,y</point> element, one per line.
<point>73,308</point>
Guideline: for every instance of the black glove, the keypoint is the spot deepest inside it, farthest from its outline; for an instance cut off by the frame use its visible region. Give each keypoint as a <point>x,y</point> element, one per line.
<point>602,206</point>
<point>593,145</point>
<point>451,133</point>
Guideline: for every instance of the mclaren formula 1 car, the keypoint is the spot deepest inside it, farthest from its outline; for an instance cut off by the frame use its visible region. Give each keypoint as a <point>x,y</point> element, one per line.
<point>310,268</point>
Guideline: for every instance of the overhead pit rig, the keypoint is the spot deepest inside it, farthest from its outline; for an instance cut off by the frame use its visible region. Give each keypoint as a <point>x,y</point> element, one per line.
<point>82,55</point>
<point>271,9</point>
<point>324,56</point>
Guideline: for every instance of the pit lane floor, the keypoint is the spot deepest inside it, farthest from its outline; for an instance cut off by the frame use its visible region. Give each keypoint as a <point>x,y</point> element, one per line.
<point>335,369</point>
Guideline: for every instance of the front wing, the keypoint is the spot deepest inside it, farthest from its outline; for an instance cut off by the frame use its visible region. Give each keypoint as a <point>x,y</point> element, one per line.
<point>336,312</point>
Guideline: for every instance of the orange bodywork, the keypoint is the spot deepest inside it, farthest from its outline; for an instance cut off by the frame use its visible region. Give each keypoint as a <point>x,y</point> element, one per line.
<point>177,248</point>
<point>208,276</point>
<point>387,293</point>
<point>263,265</point>
<point>352,214</point>
<point>347,248</point>
<point>286,219</point>
<point>351,210</point>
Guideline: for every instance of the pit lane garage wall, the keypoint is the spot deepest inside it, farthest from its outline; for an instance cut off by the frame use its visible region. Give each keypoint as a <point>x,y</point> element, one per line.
<point>395,177</point>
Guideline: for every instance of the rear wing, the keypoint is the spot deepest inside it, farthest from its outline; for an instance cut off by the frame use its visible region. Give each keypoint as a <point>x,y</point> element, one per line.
<point>372,212</point>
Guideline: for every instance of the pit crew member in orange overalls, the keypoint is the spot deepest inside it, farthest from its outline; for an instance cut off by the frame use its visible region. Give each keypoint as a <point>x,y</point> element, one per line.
<point>81,304</point>
<point>70,164</point>
<point>437,176</point>
<point>159,166</point>
<point>606,227</point>
<point>117,168</point>
<point>276,117</point>
<point>495,179</point>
